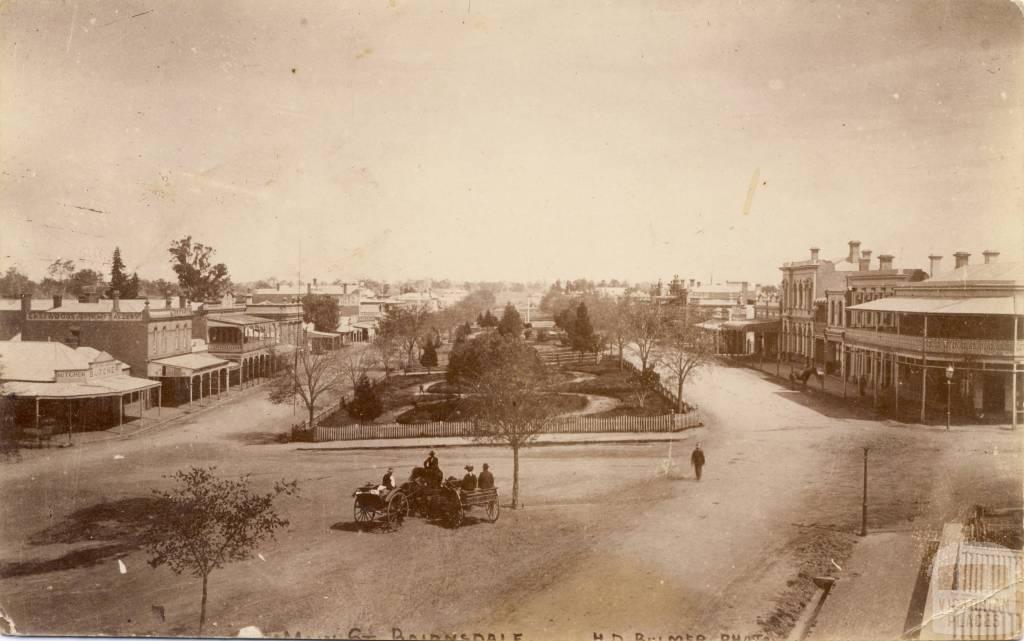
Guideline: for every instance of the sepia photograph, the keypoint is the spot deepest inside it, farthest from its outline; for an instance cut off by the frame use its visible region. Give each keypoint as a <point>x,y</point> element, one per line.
<point>477,320</point>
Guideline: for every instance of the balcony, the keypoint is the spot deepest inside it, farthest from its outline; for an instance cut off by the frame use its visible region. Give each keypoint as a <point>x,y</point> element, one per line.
<point>936,346</point>
<point>242,348</point>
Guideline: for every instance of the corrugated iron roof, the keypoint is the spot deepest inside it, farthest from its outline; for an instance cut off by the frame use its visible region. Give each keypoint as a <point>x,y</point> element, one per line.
<point>1002,306</point>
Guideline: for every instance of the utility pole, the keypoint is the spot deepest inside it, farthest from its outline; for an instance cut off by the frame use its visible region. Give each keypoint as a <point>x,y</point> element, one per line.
<point>864,502</point>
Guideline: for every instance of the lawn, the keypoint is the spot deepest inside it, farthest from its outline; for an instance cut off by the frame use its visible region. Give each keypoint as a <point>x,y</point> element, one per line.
<point>617,383</point>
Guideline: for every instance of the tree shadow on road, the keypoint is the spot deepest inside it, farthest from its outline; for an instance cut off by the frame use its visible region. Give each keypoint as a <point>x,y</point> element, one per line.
<point>261,438</point>
<point>826,405</point>
<point>119,525</point>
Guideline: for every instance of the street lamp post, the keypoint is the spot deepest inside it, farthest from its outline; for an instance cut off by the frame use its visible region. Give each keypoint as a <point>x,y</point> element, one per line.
<point>949,387</point>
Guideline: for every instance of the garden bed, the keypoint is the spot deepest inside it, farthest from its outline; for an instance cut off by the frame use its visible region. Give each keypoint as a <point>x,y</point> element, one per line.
<point>463,409</point>
<point>616,383</point>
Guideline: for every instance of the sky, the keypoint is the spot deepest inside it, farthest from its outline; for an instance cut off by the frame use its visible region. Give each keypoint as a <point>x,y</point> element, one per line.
<point>480,140</point>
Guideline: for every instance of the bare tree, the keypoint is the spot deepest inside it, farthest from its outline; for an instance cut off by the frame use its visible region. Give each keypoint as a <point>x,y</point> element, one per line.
<point>206,522</point>
<point>358,363</point>
<point>387,349</point>
<point>612,320</point>
<point>683,351</point>
<point>645,325</point>
<point>405,325</point>
<point>308,375</point>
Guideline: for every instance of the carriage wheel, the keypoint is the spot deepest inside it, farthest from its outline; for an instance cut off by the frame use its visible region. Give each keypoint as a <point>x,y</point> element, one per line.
<point>363,515</point>
<point>456,516</point>
<point>398,509</point>
<point>493,510</point>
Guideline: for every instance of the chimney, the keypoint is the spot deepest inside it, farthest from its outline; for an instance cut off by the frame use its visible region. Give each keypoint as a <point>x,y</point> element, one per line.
<point>314,282</point>
<point>167,301</point>
<point>57,300</point>
<point>26,303</point>
<point>117,301</point>
<point>814,254</point>
<point>854,250</point>
<point>309,289</point>
<point>934,263</point>
<point>885,262</point>
<point>181,302</point>
<point>279,287</point>
<point>990,256</point>
<point>961,259</point>
<point>248,299</point>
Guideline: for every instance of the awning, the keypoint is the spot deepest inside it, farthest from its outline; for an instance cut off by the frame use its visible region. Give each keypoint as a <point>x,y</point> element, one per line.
<point>318,334</point>
<point>752,325</point>
<point>185,364</point>
<point>988,306</point>
<point>234,320</point>
<point>710,326</point>
<point>96,387</point>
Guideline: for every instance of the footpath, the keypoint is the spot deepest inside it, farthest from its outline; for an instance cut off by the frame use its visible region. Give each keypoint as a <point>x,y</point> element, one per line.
<point>603,438</point>
<point>830,391</point>
<point>874,596</point>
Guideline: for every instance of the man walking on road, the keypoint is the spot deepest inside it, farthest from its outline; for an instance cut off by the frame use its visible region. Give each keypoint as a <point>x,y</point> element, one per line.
<point>697,460</point>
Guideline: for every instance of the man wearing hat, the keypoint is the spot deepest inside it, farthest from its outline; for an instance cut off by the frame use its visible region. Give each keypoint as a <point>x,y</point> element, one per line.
<point>697,460</point>
<point>431,461</point>
<point>469,480</point>
<point>486,480</point>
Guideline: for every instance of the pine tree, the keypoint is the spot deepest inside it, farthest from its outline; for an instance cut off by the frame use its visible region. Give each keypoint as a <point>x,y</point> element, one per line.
<point>131,288</point>
<point>428,358</point>
<point>583,337</point>
<point>118,280</point>
<point>511,323</point>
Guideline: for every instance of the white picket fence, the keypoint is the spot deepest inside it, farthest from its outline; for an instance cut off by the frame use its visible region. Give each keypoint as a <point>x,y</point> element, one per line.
<point>567,425</point>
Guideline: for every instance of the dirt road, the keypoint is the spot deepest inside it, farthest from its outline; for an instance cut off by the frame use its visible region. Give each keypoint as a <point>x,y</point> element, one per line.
<point>603,544</point>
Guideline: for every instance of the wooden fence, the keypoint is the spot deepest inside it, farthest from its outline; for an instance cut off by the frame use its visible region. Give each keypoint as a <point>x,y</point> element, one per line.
<point>567,425</point>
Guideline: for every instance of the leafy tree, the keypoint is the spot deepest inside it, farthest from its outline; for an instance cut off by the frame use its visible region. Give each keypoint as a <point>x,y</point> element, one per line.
<point>84,279</point>
<point>206,522</point>
<point>428,358</point>
<point>367,400</point>
<point>507,376</point>
<point>463,332</point>
<point>198,278</point>
<point>118,279</point>
<point>683,351</point>
<point>309,375</point>
<point>644,384</point>
<point>13,283</point>
<point>322,311</point>
<point>487,320</point>
<point>582,337</point>
<point>133,286</point>
<point>405,325</point>
<point>511,323</point>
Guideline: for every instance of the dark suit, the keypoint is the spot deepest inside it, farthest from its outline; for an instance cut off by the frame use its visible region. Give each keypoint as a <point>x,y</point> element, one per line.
<point>469,482</point>
<point>388,481</point>
<point>486,480</point>
<point>697,460</point>
<point>430,462</point>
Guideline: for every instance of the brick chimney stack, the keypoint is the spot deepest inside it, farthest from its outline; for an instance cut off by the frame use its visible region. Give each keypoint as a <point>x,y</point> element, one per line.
<point>58,300</point>
<point>117,301</point>
<point>885,262</point>
<point>864,264</point>
<point>934,263</point>
<point>990,256</point>
<point>854,250</point>
<point>814,254</point>
<point>962,259</point>
<point>314,282</point>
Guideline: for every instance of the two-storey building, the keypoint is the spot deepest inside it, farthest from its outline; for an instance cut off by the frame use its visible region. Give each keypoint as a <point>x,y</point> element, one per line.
<point>803,286</point>
<point>155,342</point>
<point>951,343</point>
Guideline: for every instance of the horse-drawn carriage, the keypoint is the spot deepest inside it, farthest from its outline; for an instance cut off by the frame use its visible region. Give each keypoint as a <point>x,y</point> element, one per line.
<point>424,495</point>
